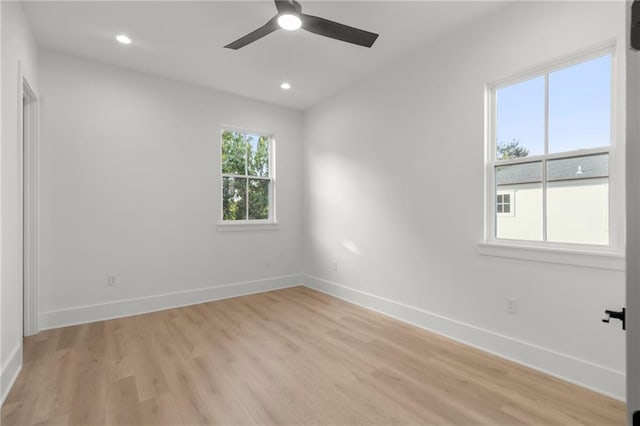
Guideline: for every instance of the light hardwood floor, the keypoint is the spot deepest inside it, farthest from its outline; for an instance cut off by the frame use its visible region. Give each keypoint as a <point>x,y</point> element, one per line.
<point>287,357</point>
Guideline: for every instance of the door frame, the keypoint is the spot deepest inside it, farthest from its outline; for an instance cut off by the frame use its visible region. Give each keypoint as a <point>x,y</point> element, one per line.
<point>28,165</point>
<point>633,225</point>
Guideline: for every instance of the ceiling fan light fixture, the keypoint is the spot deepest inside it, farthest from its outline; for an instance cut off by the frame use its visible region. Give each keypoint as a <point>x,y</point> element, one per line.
<point>122,38</point>
<point>289,21</point>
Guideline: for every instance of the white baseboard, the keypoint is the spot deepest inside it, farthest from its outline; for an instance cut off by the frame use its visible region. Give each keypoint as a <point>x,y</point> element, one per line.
<point>128,307</point>
<point>10,371</point>
<point>580,372</point>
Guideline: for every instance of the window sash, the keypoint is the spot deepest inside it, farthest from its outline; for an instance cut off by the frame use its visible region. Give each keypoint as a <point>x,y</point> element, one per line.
<point>544,187</point>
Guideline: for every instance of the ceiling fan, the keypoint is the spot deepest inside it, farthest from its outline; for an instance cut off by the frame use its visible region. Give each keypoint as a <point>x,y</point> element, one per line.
<point>290,17</point>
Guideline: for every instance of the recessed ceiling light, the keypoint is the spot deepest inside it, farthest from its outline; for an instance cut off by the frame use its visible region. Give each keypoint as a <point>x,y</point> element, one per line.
<point>289,22</point>
<point>285,86</point>
<point>123,39</point>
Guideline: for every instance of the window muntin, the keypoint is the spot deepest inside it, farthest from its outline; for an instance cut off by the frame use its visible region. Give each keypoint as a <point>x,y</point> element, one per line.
<point>562,196</point>
<point>247,177</point>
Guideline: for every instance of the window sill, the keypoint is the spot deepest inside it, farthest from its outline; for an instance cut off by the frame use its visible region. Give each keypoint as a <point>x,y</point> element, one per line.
<point>567,256</point>
<point>240,226</point>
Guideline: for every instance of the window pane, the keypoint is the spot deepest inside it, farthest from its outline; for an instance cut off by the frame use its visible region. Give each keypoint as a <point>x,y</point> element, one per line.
<point>580,106</point>
<point>578,211</point>
<point>499,208</point>
<point>521,188</point>
<point>258,199</point>
<point>520,119</point>
<point>519,173</point>
<point>234,153</point>
<point>234,198</point>
<point>586,167</point>
<point>522,219</point>
<point>258,155</point>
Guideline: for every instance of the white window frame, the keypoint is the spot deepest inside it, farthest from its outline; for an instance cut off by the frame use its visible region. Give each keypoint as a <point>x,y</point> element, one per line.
<point>249,224</point>
<point>600,256</point>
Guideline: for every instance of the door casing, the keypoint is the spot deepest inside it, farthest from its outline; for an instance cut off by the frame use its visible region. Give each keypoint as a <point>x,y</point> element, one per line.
<point>28,137</point>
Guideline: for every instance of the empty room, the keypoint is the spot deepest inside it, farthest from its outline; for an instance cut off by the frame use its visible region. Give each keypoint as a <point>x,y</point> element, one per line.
<point>320,212</point>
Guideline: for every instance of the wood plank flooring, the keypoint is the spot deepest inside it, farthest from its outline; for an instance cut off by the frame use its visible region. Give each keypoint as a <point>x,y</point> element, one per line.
<point>287,357</point>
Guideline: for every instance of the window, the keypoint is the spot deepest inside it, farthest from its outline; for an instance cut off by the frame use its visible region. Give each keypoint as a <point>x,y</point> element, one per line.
<point>503,204</point>
<point>550,149</point>
<point>247,177</point>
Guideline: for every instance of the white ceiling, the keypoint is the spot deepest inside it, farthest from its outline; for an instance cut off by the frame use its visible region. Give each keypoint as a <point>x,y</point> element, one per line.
<point>184,40</point>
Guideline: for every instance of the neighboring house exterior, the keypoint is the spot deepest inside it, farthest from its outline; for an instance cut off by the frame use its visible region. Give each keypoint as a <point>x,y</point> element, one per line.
<point>577,200</point>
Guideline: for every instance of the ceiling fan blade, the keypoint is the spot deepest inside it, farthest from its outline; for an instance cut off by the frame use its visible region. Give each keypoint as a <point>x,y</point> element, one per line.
<point>338,31</point>
<point>264,30</point>
<point>290,6</point>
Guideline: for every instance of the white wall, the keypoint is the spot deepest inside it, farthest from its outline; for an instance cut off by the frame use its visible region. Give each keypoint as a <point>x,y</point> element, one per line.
<point>130,185</point>
<point>394,194</point>
<point>18,46</point>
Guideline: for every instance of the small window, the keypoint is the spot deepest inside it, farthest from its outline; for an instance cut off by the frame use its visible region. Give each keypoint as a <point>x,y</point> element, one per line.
<point>503,205</point>
<point>247,177</point>
<point>551,143</point>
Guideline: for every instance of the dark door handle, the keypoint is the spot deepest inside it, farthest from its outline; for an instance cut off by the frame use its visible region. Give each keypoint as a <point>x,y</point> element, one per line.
<point>620,315</point>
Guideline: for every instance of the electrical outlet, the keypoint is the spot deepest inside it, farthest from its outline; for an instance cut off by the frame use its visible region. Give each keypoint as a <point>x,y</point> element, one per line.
<point>112,280</point>
<point>512,305</point>
<point>267,263</point>
<point>334,265</point>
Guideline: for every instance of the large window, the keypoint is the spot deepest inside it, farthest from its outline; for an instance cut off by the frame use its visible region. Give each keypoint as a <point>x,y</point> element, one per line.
<point>550,155</point>
<point>247,177</point>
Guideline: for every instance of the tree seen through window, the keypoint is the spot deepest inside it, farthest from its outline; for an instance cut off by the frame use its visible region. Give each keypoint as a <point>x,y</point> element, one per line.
<point>247,182</point>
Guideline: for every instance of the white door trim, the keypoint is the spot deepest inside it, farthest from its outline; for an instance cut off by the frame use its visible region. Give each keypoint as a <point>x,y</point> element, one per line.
<point>633,228</point>
<point>28,202</point>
